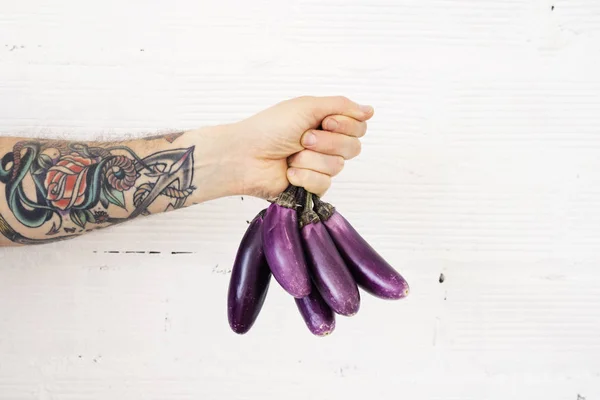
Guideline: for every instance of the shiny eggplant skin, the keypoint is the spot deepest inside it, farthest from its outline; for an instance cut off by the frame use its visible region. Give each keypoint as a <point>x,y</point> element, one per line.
<point>317,315</point>
<point>250,278</point>
<point>283,250</point>
<point>370,270</point>
<point>328,270</point>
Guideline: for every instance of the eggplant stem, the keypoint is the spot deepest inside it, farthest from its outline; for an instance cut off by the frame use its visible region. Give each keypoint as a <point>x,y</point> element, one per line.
<point>300,199</point>
<point>308,216</point>
<point>308,205</point>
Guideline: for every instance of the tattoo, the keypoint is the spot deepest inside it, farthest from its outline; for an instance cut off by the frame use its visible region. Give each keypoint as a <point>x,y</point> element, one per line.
<point>67,186</point>
<point>169,137</point>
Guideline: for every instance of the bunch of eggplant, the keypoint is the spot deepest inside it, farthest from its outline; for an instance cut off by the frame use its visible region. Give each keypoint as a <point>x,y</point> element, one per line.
<point>315,255</point>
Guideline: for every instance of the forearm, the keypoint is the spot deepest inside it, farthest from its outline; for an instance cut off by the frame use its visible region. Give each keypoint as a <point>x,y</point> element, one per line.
<point>52,190</point>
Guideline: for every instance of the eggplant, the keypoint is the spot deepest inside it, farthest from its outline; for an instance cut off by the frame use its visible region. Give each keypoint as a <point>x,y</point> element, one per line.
<point>328,270</point>
<point>317,315</point>
<point>250,278</point>
<point>283,248</point>
<point>370,270</point>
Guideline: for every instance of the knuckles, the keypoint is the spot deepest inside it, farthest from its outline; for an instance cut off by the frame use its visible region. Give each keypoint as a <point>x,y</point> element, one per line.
<point>339,164</point>
<point>358,147</point>
<point>343,101</point>
<point>363,129</point>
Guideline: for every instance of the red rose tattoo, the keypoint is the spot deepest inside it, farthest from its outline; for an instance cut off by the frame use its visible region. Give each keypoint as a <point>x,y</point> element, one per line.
<point>66,181</point>
<point>76,185</point>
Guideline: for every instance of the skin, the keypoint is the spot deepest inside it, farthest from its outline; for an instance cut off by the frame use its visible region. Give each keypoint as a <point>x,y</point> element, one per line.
<point>304,141</point>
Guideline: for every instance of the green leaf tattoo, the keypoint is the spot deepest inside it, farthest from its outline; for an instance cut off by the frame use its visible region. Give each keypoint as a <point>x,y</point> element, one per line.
<point>114,196</point>
<point>79,217</point>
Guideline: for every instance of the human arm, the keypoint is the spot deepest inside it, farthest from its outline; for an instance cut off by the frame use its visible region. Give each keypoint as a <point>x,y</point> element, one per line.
<point>55,189</point>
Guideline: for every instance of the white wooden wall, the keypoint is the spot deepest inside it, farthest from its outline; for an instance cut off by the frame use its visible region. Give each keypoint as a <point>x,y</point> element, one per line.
<point>482,163</point>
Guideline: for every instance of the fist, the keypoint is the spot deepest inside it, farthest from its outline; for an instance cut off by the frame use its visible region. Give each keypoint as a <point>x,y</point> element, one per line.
<point>303,141</point>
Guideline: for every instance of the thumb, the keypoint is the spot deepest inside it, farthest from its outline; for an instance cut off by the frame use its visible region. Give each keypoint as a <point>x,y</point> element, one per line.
<point>338,105</point>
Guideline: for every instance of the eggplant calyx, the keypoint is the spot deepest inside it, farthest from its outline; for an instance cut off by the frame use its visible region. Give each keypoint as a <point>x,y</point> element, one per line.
<point>288,198</point>
<point>308,217</point>
<point>324,210</point>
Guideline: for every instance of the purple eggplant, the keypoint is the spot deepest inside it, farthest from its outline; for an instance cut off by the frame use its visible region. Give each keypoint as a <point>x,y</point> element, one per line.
<point>371,271</point>
<point>250,278</point>
<point>330,274</point>
<point>283,248</point>
<point>317,315</point>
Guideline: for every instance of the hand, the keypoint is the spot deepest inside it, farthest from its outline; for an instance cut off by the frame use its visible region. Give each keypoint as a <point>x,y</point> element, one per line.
<point>303,141</point>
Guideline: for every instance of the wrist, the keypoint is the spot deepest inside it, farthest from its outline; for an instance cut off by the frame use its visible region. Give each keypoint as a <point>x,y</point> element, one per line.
<point>219,162</point>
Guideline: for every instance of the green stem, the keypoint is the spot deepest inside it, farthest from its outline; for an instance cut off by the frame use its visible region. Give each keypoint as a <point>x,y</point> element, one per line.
<point>308,204</point>
<point>308,216</point>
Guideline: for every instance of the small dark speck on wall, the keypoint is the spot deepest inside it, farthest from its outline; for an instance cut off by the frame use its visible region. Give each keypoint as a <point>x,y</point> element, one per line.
<point>141,49</point>
<point>242,198</point>
<point>580,397</point>
<point>552,8</point>
<point>248,222</point>
<point>442,278</point>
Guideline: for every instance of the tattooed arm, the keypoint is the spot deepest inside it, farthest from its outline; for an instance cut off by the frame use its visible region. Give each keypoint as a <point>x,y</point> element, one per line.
<point>55,189</point>
<point>52,190</point>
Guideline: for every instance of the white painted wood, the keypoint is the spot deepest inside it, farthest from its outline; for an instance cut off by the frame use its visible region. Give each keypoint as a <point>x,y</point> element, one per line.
<point>481,163</point>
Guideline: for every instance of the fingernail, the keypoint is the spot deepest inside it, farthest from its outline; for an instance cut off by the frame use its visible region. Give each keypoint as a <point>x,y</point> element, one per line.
<point>331,124</point>
<point>366,109</point>
<point>309,139</point>
<point>291,172</point>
